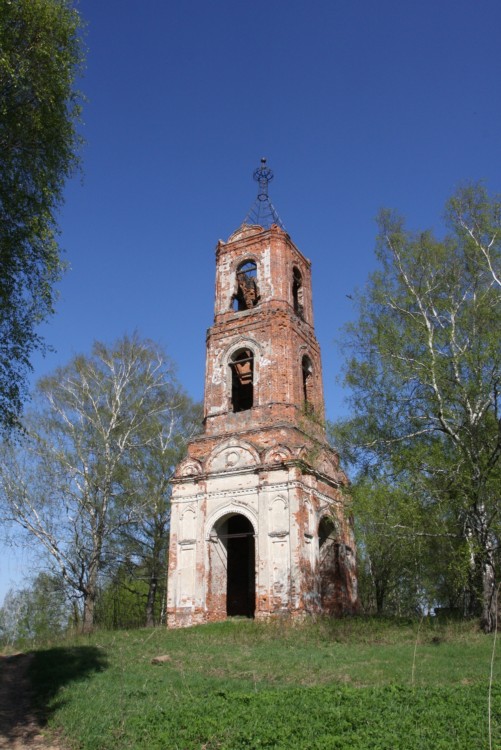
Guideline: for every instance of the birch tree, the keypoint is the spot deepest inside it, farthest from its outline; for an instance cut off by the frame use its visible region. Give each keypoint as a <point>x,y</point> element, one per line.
<point>68,483</point>
<point>41,55</point>
<point>144,544</point>
<point>424,374</point>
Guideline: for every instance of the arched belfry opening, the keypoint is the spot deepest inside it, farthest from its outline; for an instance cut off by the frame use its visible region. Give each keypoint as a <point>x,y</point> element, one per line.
<point>242,380</point>
<point>232,562</point>
<point>247,294</point>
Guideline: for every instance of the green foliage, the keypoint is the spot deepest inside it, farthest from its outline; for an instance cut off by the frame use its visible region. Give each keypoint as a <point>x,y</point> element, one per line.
<point>122,600</point>
<point>424,378</point>
<point>394,558</point>
<point>330,684</point>
<point>36,614</point>
<point>40,57</point>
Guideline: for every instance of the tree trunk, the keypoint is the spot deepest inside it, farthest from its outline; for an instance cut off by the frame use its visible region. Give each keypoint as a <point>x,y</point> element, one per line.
<point>76,615</point>
<point>486,571</point>
<point>150,602</point>
<point>88,613</point>
<point>488,619</point>
<point>89,602</point>
<point>380,597</point>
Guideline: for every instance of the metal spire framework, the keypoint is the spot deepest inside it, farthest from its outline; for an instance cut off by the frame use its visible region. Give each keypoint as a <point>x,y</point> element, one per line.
<point>263,212</point>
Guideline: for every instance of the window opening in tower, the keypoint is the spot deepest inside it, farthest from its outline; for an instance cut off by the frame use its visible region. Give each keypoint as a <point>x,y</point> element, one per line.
<point>307,371</point>
<point>247,295</point>
<point>297,292</point>
<point>242,374</point>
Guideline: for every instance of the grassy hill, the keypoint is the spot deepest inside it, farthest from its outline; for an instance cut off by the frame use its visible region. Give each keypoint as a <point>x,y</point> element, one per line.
<point>347,684</point>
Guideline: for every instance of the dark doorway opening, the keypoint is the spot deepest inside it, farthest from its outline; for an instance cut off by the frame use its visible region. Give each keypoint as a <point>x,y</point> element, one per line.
<point>328,545</point>
<point>241,578</point>
<point>326,531</point>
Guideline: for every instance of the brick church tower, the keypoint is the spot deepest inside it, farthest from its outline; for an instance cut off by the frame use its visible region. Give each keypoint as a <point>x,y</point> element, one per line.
<point>258,527</point>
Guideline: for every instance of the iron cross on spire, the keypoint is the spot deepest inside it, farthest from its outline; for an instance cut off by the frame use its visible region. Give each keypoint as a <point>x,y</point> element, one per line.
<point>263,212</point>
<point>263,175</point>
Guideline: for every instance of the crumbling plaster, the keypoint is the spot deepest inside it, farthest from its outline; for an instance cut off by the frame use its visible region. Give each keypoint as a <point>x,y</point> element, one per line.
<point>267,464</point>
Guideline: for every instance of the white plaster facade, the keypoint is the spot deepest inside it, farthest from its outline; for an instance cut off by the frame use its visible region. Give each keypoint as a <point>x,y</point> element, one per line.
<point>283,506</point>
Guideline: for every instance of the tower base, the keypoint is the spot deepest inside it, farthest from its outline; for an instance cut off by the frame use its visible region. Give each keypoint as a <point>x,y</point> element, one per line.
<point>259,532</point>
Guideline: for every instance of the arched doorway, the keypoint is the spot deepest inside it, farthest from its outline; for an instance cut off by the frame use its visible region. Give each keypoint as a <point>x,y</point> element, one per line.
<point>328,548</point>
<point>233,566</point>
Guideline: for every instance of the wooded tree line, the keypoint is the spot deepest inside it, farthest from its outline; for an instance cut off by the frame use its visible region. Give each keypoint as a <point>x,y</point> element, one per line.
<point>89,478</point>
<point>423,369</point>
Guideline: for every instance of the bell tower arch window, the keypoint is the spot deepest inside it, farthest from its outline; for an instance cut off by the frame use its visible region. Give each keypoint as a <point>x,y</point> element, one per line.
<point>297,292</point>
<point>307,372</point>
<point>242,380</point>
<point>247,294</point>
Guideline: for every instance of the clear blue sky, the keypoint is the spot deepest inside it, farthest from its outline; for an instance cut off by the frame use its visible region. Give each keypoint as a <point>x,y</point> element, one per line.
<point>357,104</point>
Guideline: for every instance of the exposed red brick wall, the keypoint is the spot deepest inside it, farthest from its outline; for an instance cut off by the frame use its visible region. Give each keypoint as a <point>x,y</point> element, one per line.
<point>279,336</point>
<point>281,435</point>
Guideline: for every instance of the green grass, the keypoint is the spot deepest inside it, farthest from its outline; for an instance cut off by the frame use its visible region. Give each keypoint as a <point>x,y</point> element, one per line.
<point>345,684</point>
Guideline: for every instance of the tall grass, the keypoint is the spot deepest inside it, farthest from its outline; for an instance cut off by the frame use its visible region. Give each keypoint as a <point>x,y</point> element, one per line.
<point>329,684</point>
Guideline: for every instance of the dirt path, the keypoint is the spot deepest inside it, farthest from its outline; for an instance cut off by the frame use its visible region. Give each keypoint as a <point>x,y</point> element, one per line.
<point>19,727</point>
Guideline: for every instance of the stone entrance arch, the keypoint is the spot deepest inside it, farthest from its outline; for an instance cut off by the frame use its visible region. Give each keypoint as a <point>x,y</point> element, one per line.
<point>328,548</point>
<point>232,567</point>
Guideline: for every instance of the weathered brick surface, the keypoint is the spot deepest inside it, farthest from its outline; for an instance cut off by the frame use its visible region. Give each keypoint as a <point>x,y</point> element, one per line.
<point>279,335</point>
<point>270,463</point>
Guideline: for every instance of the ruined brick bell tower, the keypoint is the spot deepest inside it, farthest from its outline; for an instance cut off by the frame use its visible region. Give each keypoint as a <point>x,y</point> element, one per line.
<point>258,526</point>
